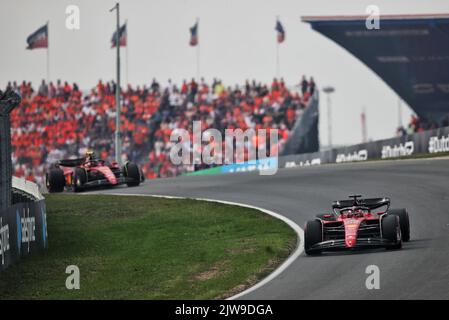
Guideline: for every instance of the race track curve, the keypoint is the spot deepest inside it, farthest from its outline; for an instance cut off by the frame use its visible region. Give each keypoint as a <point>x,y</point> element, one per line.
<point>419,271</point>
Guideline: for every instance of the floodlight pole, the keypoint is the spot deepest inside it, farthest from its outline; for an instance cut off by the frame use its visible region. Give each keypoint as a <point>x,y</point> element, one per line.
<point>118,135</point>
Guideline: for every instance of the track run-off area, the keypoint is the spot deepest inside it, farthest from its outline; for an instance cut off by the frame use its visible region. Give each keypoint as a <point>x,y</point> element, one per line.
<point>420,270</point>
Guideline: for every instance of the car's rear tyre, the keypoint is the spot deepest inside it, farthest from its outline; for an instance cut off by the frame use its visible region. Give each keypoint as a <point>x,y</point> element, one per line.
<point>391,230</point>
<point>404,222</point>
<point>55,180</point>
<point>79,179</point>
<point>131,170</point>
<point>313,234</point>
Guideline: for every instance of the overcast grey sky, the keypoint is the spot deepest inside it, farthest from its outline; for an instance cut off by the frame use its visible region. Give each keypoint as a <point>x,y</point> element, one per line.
<point>237,40</point>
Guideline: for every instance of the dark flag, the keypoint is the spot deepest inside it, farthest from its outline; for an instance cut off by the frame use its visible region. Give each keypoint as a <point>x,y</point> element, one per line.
<point>38,39</point>
<point>281,32</point>
<point>122,37</point>
<point>194,35</point>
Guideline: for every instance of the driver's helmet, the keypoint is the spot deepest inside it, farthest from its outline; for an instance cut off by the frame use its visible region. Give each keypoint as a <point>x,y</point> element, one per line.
<point>90,155</point>
<point>357,210</point>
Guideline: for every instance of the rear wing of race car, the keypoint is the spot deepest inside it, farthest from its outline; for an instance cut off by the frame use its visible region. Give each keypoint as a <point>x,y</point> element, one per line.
<point>372,203</point>
<point>70,162</point>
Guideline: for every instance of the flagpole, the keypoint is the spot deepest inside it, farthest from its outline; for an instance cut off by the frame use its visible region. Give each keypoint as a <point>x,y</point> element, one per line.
<point>48,52</point>
<point>126,49</point>
<point>277,54</point>
<point>198,51</point>
<point>198,62</point>
<point>277,60</point>
<point>118,146</point>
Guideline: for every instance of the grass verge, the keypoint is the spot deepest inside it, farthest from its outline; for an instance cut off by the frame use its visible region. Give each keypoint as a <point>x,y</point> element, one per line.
<point>131,247</point>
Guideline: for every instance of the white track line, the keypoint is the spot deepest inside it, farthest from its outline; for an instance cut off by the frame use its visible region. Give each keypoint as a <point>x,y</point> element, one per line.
<point>299,248</point>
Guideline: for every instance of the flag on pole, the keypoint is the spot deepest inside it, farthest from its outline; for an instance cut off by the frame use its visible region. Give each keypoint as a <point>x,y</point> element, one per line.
<point>194,35</point>
<point>38,39</point>
<point>122,37</point>
<point>281,32</point>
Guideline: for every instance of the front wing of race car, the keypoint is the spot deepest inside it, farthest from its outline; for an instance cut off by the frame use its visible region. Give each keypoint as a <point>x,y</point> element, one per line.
<point>340,244</point>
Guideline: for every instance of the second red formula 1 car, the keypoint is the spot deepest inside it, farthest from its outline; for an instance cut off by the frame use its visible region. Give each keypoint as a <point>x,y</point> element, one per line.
<point>357,223</point>
<point>83,173</point>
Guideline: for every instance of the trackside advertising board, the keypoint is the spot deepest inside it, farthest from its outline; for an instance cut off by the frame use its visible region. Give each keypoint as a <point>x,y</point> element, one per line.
<point>266,164</point>
<point>428,142</point>
<point>23,231</point>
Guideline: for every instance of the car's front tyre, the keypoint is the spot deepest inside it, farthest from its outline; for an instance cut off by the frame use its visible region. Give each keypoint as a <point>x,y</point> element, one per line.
<point>404,222</point>
<point>391,230</point>
<point>313,234</point>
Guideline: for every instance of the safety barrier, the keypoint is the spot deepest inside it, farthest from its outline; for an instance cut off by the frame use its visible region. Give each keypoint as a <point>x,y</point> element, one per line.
<point>23,231</point>
<point>23,226</point>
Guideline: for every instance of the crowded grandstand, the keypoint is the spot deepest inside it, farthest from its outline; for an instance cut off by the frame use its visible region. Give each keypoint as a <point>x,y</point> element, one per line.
<point>58,120</point>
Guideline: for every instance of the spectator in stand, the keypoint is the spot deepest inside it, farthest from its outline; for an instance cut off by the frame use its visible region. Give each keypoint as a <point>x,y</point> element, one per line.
<point>43,89</point>
<point>193,89</point>
<point>184,87</point>
<point>311,86</point>
<point>51,90</point>
<point>275,85</point>
<point>400,131</point>
<point>304,85</point>
<point>59,92</point>
<point>155,85</point>
<point>170,86</point>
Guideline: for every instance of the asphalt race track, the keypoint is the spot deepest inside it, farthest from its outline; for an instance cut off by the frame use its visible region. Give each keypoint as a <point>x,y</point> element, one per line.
<point>419,271</point>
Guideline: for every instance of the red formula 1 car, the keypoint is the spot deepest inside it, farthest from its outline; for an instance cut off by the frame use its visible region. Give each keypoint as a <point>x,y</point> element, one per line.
<point>80,174</point>
<point>357,223</point>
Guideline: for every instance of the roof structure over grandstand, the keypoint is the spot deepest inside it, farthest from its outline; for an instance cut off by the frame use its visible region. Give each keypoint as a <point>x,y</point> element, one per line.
<point>409,52</point>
